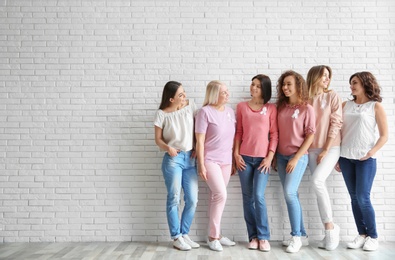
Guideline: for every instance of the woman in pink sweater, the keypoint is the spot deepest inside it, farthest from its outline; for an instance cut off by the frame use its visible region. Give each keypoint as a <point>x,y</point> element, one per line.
<point>255,144</point>
<point>324,152</point>
<point>296,125</point>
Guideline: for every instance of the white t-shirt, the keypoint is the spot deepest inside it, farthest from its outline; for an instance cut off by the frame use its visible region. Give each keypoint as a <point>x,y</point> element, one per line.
<point>359,129</point>
<point>177,126</point>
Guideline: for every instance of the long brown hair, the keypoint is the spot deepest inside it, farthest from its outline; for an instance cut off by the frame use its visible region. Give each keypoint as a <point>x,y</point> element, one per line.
<point>369,84</point>
<point>314,76</point>
<point>301,89</point>
<point>169,91</point>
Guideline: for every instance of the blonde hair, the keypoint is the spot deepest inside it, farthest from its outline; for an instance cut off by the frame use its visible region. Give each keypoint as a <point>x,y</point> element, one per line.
<point>313,77</point>
<point>212,92</point>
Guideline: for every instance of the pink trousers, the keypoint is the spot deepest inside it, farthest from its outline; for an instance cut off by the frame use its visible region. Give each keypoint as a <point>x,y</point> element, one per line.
<point>217,179</point>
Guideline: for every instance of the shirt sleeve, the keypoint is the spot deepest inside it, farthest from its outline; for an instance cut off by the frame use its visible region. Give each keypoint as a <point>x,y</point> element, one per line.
<point>336,120</point>
<point>201,122</point>
<point>309,122</point>
<point>273,131</point>
<point>159,119</point>
<point>239,122</point>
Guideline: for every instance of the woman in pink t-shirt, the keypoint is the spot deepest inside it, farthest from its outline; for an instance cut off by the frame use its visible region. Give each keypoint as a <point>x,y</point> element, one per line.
<point>215,129</point>
<point>296,125</point>
<point>255,144</point>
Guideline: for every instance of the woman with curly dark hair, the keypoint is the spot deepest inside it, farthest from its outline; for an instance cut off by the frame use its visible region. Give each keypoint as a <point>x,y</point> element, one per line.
<point>296,125</point>
<point>361,116</point>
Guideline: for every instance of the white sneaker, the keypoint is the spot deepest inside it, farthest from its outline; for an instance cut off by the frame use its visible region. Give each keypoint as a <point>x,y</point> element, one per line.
<point>304,239</point>
<point>358,242</point>
<point>190,242</point>
<point>294,245</point>
<point>371,244</point>
<point>214,245</point>
<point>181,245</point>
<point>321,243</point>
<point>332,238</point>
<point>226,241</point>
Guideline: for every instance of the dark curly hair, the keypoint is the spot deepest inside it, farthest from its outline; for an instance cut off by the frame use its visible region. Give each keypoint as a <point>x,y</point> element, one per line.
<point>301,89</point>
<point>369,84</point>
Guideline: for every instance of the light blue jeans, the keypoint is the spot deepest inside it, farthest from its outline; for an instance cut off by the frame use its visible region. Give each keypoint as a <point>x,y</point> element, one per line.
<point>179,173</point>
<point>290,183</point>
<point>253,184</point>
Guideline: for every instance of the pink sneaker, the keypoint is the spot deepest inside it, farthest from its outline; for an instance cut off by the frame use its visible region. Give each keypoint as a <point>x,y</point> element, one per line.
<point>253,244</point>
<point>264,245</point>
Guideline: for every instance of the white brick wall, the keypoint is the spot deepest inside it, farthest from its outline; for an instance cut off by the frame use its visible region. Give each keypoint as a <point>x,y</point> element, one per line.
<point>80,82</point>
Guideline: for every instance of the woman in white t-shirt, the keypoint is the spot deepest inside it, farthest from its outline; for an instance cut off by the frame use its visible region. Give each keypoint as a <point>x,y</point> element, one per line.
<point>361,116</point>
<point>174,130</point>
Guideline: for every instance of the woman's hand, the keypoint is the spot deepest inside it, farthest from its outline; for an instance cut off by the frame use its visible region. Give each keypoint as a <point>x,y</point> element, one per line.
<point>291,165</point>
<point>202,172</point>
<point>240,164</point>
<point>274,163</point>
<point>321,156</point>
<point>265,165</point>
<point>172,151</point>
<point>367,156</point>
<point>234,170</point>
<point>337,167</point>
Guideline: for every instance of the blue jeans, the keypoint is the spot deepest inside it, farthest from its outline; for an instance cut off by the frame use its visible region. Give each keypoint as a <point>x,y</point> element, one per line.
<point>290,183</point>
<point>180,172</point>
<point>253,185</point>
<point>358,176</point>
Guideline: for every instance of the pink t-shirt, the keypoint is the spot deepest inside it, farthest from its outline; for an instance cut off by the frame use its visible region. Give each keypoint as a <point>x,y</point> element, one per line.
<point>219,127</point>
<point>294,123</point>
<point>256,129</point>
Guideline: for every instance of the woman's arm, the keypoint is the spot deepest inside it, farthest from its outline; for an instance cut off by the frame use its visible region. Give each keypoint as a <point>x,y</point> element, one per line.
<point>162,144</point>
<point>381,120</point>
<point>335,124</point>
<point>200,138</point>
<point>302,150</point>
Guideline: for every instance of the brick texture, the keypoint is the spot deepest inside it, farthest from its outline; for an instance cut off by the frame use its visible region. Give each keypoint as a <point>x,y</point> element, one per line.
<point>80,82</point>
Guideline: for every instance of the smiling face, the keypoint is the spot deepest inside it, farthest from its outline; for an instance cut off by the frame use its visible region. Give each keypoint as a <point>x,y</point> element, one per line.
<point>325,79</point>
<point>223,96</point>
<point>255,89</point>
<point>289,86</point>
<point>179,99</point>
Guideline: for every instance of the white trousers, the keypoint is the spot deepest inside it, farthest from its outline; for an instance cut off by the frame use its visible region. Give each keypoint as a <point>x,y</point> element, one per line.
<point>319,174</point>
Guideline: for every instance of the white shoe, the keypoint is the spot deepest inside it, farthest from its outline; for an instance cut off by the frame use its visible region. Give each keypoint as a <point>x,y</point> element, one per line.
<point>214,245</point>
<point>371,244</point>
<point>180,244</point>
<point>304,239</point>
<point>358,242</point>
<point>294,245</point>
<point>321,243</point>
<point>332,238</point>
<point>190,242</point>
<point>226,241</point>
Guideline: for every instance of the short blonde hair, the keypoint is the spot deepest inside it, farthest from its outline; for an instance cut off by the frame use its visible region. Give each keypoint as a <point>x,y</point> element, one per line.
<point>212,92</point>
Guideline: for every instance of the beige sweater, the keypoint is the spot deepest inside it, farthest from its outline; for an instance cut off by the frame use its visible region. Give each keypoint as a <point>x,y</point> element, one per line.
<point>328,116</point>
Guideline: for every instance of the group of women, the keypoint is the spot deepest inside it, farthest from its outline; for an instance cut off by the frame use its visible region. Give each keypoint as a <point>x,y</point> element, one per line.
<point>308,125</point>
